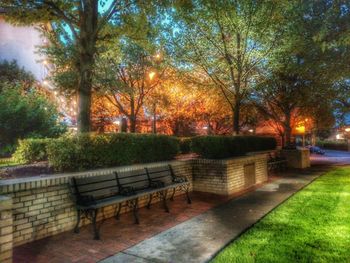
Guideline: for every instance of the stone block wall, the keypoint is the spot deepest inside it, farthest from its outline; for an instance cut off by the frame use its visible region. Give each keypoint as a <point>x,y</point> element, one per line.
<point>43,207</point>
<point>6,229</point>
<point>226,177</point>
<point>298,158</point>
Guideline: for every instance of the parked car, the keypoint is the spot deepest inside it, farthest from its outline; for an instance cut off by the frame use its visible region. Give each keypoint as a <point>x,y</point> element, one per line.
<point>316,149</point>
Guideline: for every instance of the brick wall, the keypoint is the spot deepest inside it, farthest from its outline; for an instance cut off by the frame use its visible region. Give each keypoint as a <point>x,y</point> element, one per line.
<point>43,207</point>
<point>225,177</point>
<point>5,229</point>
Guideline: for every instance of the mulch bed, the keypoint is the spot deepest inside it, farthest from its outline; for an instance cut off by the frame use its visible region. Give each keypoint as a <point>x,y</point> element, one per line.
<point>40,168</point>
<point>26,170</point>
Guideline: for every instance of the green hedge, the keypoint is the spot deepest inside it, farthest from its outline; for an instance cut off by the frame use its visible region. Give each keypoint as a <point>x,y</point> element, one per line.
<point>89,151</point>
<point>217,147</point>
<point>333,145</point>
<point>31,150</point>
<point>185,144</point>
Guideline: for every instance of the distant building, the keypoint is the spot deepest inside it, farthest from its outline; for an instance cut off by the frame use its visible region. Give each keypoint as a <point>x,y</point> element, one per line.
<point>20,43</point>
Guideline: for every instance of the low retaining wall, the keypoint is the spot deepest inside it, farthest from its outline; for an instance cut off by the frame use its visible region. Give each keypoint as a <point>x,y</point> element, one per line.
<point>229,176</point>
<point>298,158</point>
<point>41,206</point>
<point>6,229</point>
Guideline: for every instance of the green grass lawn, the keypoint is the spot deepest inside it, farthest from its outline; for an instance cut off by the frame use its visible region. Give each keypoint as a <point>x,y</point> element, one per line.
<point>312,226</point>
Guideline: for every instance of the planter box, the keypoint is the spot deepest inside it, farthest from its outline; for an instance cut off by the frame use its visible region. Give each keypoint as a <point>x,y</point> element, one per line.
<point>229,176</point>
<point>298,158</point>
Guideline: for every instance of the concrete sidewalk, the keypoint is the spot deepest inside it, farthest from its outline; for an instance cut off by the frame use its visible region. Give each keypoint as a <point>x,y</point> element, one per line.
<point>200,238</point>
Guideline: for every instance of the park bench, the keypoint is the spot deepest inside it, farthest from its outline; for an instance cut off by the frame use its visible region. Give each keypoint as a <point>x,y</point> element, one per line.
<point>276,163</point>
<point>123,189</point>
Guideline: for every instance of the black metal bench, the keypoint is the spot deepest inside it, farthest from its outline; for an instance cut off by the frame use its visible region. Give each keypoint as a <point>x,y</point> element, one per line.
<point>91,194</point>
<point>276,163</point>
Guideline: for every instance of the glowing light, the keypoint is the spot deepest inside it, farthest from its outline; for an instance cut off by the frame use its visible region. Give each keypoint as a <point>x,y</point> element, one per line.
<point>117,122</point>
<point>300,129</point>
<point>151,75</point>
<point>251,130</point>
<point>347,129</point>
<point>205,128</point>
<point>45,82</point>
<point>158,56</point>
<point>45,62</point>
<point>338,136</point>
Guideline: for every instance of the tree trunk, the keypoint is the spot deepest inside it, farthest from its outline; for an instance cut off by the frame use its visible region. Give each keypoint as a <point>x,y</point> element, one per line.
<point>288,129</point>
<point>132,124</point>
<point>132,116</point>
<point>283,142</point>
<point>236,117</point>
<point>84,100</point>
<point>87,49</point>
<point>154,122</point>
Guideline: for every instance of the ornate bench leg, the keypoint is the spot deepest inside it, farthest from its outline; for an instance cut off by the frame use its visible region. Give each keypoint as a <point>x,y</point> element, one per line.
<point>172,196</point>
<point>117,211</point>
<point>135,208</point>
<point>163,195</point>
<point>149,201</point>
<point>189,201</point>
<point>76,228</point>
<point>96,230</point>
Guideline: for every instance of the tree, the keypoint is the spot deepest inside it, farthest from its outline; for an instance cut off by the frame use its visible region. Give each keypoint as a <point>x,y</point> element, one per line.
<point>76,28</point>
<point>11,73</point>
<point>300,74</point>
<point>26,114</point>
<point>341,102</point>
<point>128,79</point>
<point>227,41</point>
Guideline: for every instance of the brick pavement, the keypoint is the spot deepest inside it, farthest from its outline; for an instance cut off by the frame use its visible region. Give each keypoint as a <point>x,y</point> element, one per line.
<point>115,235</point>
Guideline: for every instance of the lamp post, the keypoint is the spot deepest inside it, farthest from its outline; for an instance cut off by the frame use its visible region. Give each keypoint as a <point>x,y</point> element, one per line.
<point>154,108</point>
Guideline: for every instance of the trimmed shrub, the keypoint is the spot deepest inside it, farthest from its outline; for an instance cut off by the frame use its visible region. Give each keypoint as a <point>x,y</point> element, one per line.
<point>217,147</point>
<point>31,150</point>
<point>333,145</point>
<point>185,144</point>
<point>88,151</point>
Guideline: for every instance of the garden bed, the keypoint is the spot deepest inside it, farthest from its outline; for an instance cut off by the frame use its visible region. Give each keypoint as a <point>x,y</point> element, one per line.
<point>25,170</point>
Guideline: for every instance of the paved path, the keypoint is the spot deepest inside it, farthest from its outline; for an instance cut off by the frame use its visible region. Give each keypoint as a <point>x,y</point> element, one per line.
<point>200,238</point>
<point>331,157</point>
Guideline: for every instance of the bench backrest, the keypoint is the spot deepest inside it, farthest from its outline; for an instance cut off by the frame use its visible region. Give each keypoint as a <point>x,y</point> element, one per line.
<point>161,173</point>
<point>95,186</point>
<point>137,179</point>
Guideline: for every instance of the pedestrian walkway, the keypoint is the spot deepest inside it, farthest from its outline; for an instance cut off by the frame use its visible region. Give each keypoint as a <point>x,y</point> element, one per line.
<point>200,238</point>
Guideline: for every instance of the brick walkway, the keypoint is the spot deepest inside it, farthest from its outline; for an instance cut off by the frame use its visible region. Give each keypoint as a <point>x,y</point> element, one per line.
<point>115,235</point>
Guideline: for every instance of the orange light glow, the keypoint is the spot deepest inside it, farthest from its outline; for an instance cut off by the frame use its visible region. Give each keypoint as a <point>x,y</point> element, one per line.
<point>151,75</point>
<point>300,129</point>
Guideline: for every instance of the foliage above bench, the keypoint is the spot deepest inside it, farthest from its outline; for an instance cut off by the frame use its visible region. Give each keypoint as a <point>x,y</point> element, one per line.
<point>31,150</point>
<point>217,147</point>
<point>89,151</point>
